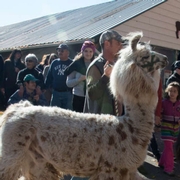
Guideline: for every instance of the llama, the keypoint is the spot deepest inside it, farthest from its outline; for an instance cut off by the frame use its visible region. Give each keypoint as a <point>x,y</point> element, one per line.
<point>42,143</point>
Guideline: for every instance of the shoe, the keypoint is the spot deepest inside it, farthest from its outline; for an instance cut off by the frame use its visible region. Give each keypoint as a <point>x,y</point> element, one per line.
<point>142,170</point>
<point>169,173</point>
<point>161,166</point>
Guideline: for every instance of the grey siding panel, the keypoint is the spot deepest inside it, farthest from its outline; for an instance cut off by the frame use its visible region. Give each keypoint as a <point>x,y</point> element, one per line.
<point>80,23</point>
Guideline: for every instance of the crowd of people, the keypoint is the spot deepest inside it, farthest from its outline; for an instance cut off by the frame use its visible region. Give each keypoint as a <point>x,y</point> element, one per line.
<point>82,84</point>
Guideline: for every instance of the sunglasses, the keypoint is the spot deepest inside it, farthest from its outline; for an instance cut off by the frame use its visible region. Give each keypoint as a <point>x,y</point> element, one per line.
<point>30,61</point>
<point>60,50</point>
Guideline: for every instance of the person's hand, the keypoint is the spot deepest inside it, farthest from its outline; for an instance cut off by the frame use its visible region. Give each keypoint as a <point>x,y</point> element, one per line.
<point>36,97</point>
<point>16,69</point>
<point>82,78</point>
<point>179,122</point>
<point>38,90</point>
<point>3,90</point>
<point>108,69</point>
<point>21,91</point>
<point>157,121</point>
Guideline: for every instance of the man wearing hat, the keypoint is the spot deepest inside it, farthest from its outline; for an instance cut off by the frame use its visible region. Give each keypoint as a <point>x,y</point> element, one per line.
<point>29,92</point>
<point>98,98</point>
<point>56,79</point>
<point>176,74</point>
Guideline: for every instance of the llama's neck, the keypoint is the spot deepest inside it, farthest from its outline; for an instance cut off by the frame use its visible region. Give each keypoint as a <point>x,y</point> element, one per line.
<point>142,114</point>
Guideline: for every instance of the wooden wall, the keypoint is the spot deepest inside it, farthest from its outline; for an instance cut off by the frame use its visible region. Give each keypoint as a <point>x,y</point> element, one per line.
<point>157,24</point>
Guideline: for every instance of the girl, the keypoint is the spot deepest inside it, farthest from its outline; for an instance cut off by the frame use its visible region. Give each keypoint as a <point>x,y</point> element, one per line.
<point>76,72</point>
<point>170,126</point>
<point>44,62</point>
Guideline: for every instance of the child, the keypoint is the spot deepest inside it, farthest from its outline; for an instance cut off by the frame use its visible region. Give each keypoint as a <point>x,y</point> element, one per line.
<point>170,126</point>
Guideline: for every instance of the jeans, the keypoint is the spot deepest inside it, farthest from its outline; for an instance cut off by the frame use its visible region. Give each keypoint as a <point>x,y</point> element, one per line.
<point>154,147</point>
<point>61,99</point>
<point>78,103</point>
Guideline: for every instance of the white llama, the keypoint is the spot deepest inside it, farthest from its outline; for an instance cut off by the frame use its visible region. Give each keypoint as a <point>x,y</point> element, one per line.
<point>41,143</point>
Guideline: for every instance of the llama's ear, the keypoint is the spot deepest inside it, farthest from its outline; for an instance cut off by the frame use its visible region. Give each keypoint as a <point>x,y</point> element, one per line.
<point>134,41</point>
<point>133,66</point>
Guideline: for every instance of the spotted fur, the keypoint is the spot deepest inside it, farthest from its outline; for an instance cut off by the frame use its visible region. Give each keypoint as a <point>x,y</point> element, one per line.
<point>41,143</point>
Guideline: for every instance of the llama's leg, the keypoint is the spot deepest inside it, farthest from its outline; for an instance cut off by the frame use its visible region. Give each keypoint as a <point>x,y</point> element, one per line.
<point>10,167</point>
<point>137,176</point>
<point>43,171</point>
<point>35,167</point>
<point>110,175</point>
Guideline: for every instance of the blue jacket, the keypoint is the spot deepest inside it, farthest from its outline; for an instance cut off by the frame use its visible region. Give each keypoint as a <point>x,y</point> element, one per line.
<point>56,78</point>
<point>15,98</point>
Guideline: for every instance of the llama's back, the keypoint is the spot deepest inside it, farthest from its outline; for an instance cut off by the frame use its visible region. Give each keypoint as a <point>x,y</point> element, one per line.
<point>12,110</point>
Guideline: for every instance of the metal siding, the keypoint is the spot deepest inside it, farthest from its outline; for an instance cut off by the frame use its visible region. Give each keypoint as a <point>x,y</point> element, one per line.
<point>71,25</point>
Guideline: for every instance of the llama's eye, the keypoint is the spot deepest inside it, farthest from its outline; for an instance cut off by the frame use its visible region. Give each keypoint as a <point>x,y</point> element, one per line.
<point>146,57</point>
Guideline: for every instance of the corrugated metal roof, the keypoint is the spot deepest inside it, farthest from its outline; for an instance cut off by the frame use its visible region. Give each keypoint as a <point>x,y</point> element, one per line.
<point>82,23</point>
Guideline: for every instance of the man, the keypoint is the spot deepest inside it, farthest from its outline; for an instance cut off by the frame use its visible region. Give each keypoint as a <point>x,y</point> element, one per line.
<point>56,79</point>
<point>176,74</point>
<point>98,97</point>
<point>29,93</point>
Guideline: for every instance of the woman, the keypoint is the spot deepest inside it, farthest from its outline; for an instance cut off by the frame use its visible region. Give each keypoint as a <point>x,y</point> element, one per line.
<point>30,62</point>
<point>12,66</point>
<point>52,57</point>
<point>77,74</point>
<point>48,91</point>
<point>43,63</point>
<point>2,97</point>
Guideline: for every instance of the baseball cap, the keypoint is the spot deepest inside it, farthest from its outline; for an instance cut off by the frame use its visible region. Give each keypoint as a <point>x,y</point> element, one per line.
<point>109,35</point>
<point>29,77</point>
<point>177,65</point>
<point>63,46</point>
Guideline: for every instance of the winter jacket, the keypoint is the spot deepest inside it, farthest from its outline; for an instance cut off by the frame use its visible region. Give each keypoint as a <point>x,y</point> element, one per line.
<point>56,78</point>
<point>9,74</point>
<point>38,75</point>
<point>15,98</point>
<point>99,100</point>
<point>175,77</point>
<point>170,117</point>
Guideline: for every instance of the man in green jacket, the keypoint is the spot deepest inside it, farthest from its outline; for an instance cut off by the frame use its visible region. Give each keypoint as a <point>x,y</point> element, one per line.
<point>98,97</point>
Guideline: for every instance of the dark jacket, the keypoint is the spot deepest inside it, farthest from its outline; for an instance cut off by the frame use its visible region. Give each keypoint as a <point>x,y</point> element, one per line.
<point>15,98</point>
<point>175,77</point>
<point>1,69</point>
<point>76,65</point>
<point>9,74</point>
<point>38,75</point>
<point>56,78</point>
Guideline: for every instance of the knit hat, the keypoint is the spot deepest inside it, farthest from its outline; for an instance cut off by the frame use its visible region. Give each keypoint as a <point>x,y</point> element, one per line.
<point>88,44</point>
<point>32,57</point>
<point>109,35</point>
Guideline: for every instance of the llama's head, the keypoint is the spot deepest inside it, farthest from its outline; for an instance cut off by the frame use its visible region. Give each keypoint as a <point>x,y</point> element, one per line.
<point>136,74</point>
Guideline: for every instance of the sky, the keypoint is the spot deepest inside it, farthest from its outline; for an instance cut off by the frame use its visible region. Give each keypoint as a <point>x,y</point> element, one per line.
<point>13,11</point>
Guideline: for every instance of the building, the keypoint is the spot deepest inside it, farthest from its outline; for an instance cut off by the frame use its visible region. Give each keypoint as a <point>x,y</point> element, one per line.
<point>158,19</point>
